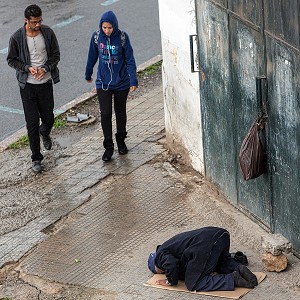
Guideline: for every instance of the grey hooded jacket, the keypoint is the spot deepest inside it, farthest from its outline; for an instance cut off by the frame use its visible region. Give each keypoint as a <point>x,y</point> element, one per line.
<point>18,54</point>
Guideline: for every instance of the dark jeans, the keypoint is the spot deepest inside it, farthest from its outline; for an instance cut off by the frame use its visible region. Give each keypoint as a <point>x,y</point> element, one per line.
<point>221,262</point>
<point>38,103</point>
<point>105,101</point>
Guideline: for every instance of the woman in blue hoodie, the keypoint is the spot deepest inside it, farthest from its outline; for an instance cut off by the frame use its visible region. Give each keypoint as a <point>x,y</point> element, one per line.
<point>116,76</point>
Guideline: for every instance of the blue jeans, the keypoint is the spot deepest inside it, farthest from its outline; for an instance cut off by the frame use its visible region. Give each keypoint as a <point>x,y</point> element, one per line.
<point>38,103</point>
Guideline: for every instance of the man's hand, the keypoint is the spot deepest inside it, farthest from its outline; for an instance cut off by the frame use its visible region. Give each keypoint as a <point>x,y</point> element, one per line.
<point>132,88</point>
<point>164,282</point>
<point>37,73</point>
<point>40,74</point>
<point>33,71</point>
<point>90,80</point>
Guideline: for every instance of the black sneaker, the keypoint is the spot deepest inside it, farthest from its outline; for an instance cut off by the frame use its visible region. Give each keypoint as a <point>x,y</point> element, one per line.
<point>122,148</point>
<point>120,138</point>
<point>36,166</point>
<point>47,142</point>
<point>107,154</point>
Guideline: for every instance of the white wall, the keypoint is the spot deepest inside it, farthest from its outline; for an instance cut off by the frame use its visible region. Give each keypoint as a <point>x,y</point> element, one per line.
<point>181,86</point>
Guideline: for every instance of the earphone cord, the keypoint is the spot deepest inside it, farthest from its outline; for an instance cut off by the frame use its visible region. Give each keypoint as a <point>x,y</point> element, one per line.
<point>110,70</point>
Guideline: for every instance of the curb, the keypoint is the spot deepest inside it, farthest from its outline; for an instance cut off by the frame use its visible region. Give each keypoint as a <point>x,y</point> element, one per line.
<point>84,97</point>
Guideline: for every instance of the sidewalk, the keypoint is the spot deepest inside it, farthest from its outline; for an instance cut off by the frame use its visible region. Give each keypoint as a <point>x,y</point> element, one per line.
<point>107,217</point>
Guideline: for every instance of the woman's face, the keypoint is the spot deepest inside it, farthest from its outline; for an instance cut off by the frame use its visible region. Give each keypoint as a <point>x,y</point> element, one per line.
<point>107,28</point>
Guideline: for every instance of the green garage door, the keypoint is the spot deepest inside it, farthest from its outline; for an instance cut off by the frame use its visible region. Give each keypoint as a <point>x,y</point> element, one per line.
<point>240,41</point>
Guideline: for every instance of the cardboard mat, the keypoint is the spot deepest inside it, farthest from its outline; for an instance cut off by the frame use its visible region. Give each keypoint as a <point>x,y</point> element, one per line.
<point>236,294</point>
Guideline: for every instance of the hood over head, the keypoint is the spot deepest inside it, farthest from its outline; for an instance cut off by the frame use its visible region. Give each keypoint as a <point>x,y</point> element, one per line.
<point>111,18</point>
<point>151,262</point>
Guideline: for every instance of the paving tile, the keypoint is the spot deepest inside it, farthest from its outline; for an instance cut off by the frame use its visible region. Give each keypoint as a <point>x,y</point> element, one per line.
<point>79,172</point>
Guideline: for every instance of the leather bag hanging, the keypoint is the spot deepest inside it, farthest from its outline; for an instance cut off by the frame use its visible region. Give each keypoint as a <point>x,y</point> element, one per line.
<point>252,157</point>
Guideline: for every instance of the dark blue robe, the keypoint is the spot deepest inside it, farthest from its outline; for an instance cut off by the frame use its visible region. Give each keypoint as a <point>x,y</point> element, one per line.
<point>194,255</point>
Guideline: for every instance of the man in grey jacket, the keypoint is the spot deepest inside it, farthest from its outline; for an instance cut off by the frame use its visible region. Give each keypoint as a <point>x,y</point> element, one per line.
<point>34,53</point>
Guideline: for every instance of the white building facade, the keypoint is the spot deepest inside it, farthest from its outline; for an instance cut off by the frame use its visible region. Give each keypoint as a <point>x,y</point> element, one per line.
<point>181,86</point>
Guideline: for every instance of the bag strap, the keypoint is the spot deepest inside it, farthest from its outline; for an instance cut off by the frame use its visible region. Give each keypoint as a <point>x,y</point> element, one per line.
<point>261,92</point>
<point>96,36</point>
<point>261,121</point>
<point>123,39</point>
<point>97,33</point>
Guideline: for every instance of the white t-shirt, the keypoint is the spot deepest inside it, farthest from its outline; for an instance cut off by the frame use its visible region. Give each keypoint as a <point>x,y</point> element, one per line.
<point>38,57</point>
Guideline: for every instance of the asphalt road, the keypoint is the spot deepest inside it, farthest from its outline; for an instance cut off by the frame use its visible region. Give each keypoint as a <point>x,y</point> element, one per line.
<point>73,22</point>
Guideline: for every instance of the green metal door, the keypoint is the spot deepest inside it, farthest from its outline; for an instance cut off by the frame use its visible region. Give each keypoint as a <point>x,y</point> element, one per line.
<point>283,57</point>
<point>232,55</point>
<point>239,41</point>
<point>248,61</point>
<point>216,105</point>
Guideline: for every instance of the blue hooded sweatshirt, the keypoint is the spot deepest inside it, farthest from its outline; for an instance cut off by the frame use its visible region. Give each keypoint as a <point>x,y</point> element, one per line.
<point>117,67</point>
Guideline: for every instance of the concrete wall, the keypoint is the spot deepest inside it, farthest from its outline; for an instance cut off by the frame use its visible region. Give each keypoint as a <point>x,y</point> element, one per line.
<point>181,86</point>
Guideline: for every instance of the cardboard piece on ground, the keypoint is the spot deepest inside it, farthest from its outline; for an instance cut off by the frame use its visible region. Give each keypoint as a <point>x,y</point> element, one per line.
<point>236,294</point>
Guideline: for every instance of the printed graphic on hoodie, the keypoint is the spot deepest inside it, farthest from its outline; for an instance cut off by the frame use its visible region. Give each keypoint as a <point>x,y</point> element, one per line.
<point>109,53</point>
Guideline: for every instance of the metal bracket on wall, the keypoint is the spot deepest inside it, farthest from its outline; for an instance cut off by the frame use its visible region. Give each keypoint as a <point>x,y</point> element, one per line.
<point>194,53</point>
<point>261,92</point>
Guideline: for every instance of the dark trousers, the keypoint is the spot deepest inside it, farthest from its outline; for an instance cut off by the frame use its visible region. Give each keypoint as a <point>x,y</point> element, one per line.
<point>105,99</point>
<point>38,103</point>
<point>220,261</point>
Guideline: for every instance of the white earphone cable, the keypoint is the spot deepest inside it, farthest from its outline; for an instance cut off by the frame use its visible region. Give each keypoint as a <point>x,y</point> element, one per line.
<point>109,67</point>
